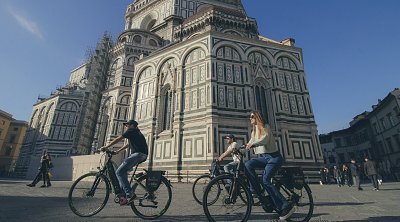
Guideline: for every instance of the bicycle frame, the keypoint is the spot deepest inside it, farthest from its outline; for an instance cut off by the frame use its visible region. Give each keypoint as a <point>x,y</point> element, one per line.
<point>109,170</point>
<point>233,193</point>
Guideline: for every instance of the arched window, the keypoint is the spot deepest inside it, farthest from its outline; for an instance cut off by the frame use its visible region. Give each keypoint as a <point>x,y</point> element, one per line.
<point>137,39</point>
<point>153,43</point>
<point>286,63</point>
<point>167,100</point>
<point>151,24</point>
<point>261,103</point>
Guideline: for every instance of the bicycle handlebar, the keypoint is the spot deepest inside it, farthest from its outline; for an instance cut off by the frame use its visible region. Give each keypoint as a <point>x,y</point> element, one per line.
<point>107,151</point>
<point>241,150</point>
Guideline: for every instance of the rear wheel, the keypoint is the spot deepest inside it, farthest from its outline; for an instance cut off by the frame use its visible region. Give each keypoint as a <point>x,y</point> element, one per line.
<point>151,205</point>
<point>89,194</point>
<point>304,204</point>
<point>199,186</point>
<point>222,204</point>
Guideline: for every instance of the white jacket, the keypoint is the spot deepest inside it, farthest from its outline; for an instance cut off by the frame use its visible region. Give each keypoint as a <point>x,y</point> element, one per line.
<point>263,143</point>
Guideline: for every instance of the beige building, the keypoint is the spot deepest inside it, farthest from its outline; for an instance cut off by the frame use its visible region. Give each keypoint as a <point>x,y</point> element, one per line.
<point>375,134</point>
<point>63,124</point>
<point>12,133</point>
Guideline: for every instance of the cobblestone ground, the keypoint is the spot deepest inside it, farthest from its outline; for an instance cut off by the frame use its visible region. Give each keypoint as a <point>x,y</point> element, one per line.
<point>21,203</point>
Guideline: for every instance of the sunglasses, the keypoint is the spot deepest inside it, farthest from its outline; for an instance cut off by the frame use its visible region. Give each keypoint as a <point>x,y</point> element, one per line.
<point>252,117</point>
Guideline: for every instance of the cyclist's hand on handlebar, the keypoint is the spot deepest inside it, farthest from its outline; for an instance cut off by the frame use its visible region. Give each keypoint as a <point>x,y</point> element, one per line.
<point>249,146</point>
<point>103,149</point>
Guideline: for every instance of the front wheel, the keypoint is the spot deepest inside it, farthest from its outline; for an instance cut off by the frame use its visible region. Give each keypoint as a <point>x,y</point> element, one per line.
<point>199,186</point>
<point>89,194</point>
<point>221,203</point>
<point>151,205</point>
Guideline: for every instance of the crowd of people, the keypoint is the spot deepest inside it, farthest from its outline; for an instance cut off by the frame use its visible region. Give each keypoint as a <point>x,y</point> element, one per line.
<point>352,174</point>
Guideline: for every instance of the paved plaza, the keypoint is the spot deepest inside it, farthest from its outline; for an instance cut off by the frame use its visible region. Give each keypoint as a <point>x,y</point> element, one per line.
<point>21,203</point>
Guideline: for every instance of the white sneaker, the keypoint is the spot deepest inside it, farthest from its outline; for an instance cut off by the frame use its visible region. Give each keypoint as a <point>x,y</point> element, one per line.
<point>286,213</point>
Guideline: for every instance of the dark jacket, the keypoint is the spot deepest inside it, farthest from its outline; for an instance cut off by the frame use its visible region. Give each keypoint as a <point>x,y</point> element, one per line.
<point>355,169</point>
<point>337,173</point>
<point>370,168</point>
<point>44,165</point>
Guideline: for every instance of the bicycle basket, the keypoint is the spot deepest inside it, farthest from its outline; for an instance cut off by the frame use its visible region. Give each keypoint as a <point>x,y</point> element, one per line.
<point>153,180</point>
<point>291,177</point>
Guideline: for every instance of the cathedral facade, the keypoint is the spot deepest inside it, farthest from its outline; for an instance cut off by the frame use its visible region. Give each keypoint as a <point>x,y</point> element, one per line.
<point>190,72</point>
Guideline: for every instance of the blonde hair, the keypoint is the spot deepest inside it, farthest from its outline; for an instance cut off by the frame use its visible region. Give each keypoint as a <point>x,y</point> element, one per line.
<point>260,123</point>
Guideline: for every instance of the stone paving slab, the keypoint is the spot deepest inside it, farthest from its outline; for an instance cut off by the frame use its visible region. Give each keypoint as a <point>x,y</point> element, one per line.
<point>21,203</point>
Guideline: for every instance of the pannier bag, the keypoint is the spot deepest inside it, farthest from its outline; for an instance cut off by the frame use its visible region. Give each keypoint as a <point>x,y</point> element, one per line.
<point>291,177</point>
<point>153,180</point>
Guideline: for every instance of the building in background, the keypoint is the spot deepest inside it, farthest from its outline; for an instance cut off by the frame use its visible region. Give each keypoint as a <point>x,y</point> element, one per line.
<point>190,72</point>
<point>375,134</point>
<point>64,123</point>
<point>12,133</point>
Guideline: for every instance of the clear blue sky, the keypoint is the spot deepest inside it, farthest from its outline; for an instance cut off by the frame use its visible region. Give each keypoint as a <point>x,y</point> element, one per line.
<point>351,48</point>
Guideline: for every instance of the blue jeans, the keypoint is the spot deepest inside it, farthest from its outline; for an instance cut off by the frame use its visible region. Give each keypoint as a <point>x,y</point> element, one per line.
<point>122,171</point>
<point>230,167</point>
<point>270,163</point>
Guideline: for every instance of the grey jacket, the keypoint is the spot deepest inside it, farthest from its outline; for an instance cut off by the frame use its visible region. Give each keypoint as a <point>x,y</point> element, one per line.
<point>265,144</point>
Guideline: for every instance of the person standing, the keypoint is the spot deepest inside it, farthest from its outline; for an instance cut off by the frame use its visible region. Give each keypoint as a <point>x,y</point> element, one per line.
<point>230,167</point>
<point>263,144</point>
<point>371,172</point>
<point>346,175</point>
<point>43,172</point>
<point>355,173</point>
<point>322,176</point>
<point>338,175</point>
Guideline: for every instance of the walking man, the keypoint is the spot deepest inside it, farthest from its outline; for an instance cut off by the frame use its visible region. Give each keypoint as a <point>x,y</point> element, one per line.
<point>355,173</point>
<point>371,172</point>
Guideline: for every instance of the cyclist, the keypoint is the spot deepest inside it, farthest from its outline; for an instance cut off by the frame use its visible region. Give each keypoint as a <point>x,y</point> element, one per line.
<point>229,168</point>
<point>138,153</point>
<point>263,144</point>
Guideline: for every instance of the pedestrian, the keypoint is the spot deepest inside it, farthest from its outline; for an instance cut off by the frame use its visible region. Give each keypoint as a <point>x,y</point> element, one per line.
<point>371,172</point>
<point>138,153</point>
<point>346,175</point>
<point>263,144</point>
<point>327,176</point>
<point>338,175</point>
<point>43,172</point>
<point>322,176</point>
<point>230,167</point>
<point>355,173</point>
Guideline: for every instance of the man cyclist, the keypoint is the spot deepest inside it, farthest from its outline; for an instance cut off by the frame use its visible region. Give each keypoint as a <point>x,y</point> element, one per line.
<point>138,151</point>
<point>230,167</point>
<point>263,143</point>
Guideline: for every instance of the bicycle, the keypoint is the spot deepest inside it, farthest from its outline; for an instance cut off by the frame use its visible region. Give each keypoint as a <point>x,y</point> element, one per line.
<point>201,182</point>
<point>89,194</point>
<point>224,205</point>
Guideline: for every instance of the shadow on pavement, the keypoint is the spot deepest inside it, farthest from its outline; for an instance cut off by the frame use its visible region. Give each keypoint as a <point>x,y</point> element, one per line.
<point>387,189</point>
<point>340,203</point>
<point>164,218</point>
<point>379,219</point>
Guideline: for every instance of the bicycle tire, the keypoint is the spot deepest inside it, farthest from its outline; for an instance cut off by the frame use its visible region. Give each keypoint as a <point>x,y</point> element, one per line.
<point>304,205</point>
<point>142,195</point>
<point>80,194</point>
<point>224,209</point>
<point>199,186</point>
